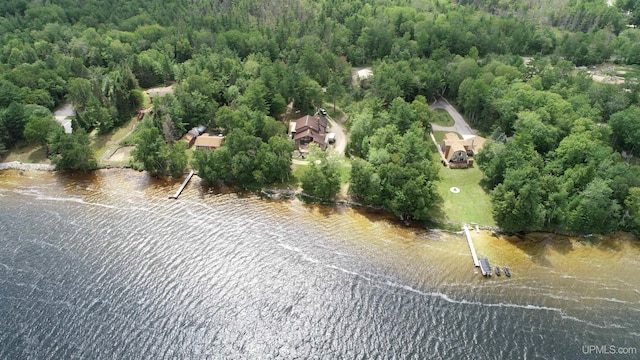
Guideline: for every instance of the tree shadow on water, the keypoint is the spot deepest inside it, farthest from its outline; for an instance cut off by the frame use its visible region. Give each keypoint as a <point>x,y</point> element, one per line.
<point>613,242</point>
<point>78,179</point>
<point>538,245</point>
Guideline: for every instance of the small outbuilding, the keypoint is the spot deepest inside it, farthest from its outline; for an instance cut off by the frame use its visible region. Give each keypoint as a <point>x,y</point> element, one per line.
<point>189,139</point>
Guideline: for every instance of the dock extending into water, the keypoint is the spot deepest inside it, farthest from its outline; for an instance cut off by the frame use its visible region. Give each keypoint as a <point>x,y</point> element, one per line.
<point>184,184</point>
<point>474,255</point>
<point>482,263</point>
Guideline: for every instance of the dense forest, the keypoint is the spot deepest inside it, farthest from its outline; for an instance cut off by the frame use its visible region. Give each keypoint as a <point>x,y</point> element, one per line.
<point>554,163</point>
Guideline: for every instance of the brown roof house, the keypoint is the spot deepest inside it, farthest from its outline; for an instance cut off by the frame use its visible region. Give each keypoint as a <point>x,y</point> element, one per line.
<point>457,151</point>
<point>191,135</point>
<point>208,142</point>
<point>310,129</point>
<point>189,138</point>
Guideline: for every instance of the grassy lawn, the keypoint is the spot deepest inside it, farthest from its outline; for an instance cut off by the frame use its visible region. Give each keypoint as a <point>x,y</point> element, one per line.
<point>627,72</point>
<point>119,137</point>
<point>111,141</point>
<point>296,172</point>
<point>442,118</point>
<point>439,135</point>
<point>344,169</point>
<point>27,154</point>
<point>471,204</point>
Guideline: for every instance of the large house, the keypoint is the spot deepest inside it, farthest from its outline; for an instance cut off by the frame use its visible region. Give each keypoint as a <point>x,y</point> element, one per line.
<point>310,128</point>
<point>457,151</point>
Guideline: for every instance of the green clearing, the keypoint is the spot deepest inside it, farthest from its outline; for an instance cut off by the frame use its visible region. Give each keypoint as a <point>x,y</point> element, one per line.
<point>441,117</point>
<point>343,165</point>
<point>471,204</point>
<point>439,135</point>
<point>628,72</point>
<point>27,153</point>
<point>110,142</point>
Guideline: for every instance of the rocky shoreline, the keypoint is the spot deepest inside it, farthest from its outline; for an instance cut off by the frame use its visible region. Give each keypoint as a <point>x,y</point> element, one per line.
<point>18,165</point>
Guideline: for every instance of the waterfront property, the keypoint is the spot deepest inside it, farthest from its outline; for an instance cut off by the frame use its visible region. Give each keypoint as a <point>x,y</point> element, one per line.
<point>482,263</point>
<point>208,142</point>
<point>184,184</point>
<point>189,138</point>
<point>191,135</point>
<point>457,151</point>
<point>308,129</point>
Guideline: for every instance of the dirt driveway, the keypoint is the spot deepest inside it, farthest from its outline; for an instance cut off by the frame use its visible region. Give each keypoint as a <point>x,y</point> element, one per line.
<point>341,137</point>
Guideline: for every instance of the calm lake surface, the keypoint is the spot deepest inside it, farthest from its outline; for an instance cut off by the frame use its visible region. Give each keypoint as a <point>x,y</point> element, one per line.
<point>104,265</point>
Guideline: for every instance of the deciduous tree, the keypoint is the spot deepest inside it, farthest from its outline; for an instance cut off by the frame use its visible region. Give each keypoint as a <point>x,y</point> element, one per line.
<point>321,179</point>
<point>73,151</point>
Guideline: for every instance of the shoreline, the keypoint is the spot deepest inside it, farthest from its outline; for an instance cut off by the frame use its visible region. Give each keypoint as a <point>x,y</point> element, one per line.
<point>266,192</point>
<point>19,165</point>
<point>288,194</point>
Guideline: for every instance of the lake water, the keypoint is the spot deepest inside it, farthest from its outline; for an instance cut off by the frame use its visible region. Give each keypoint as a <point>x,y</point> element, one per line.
<point>104,265</point>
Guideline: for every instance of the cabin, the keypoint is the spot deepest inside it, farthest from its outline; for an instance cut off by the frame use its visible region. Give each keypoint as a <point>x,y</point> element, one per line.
<point>208,142</point>
<point>308,129</point>
<point>189,138</point>
<point>457,151</point>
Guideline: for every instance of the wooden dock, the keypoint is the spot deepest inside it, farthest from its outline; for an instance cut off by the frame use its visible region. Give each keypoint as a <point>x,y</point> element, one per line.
<point>474,255</point>
<point>184,184</point>
<point>483,263</point>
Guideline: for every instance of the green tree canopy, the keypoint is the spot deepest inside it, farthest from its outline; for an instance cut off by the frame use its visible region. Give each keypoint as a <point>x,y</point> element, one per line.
<point>625,126</point>
<point>73,151</point>
<point>321,179</point>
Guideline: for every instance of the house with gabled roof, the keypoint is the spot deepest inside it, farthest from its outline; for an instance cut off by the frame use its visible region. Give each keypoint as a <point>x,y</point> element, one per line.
<point>308,129</point>
<point>208,142</point>
<point>457,151</point>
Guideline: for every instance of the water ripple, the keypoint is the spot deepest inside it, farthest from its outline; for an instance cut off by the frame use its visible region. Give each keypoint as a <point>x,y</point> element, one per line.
<point>87,271</point>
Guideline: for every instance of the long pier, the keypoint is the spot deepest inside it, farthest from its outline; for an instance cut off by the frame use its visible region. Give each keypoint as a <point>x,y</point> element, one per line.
<point>474,255</point>
<point>184,184</point>
<point>483,263</point>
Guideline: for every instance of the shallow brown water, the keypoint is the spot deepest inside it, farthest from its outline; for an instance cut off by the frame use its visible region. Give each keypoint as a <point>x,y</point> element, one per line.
<point>105,265</point>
